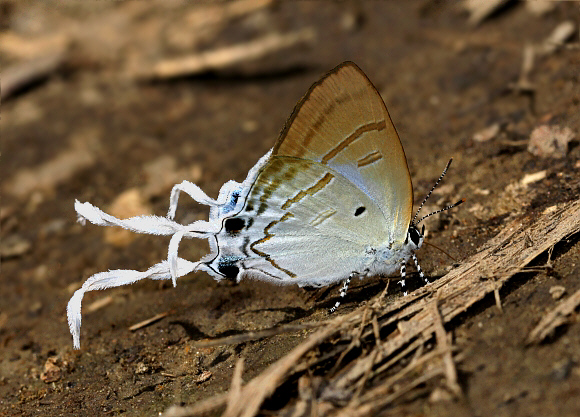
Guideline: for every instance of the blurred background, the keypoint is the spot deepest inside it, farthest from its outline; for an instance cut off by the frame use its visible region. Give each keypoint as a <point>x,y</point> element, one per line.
<point>115,102</point>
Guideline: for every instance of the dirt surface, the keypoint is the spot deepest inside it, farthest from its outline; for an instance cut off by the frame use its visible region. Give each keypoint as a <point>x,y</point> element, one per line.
<point>96,126</point>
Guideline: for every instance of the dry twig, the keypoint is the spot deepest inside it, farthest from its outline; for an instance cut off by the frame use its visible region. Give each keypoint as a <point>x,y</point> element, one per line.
<point>445,349</point>
<point>149,321</point>
<point>481,10</point>
<point>227,57</point>
<point>555,318</point>
<point>236,388</point>
<point>24,74</point>
<point>379,370</point>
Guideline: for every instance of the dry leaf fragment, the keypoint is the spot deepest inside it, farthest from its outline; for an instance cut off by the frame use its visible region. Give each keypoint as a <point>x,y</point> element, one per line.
<point>52,371</point>
<point>204,376</point>
<point>531,178</point>
<point>14,246</point>
<point>486,134</point>
<point>550,141</point>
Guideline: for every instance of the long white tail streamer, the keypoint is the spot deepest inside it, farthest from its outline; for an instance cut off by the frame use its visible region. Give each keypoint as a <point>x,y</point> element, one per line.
<point>172,268</point>
<point>116,278</point>
<point>230,199</point>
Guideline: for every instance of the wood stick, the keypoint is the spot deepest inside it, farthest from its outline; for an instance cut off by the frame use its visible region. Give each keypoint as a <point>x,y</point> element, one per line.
<point>555,318</point>
<point>227,57</point>
<point>149,321</point>
<point>19,76</point>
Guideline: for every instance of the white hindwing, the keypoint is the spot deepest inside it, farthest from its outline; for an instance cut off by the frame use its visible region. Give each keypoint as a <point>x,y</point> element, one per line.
<point>302,223</point>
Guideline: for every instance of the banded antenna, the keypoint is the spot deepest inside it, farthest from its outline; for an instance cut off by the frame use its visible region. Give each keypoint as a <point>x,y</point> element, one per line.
<point>429,195</point>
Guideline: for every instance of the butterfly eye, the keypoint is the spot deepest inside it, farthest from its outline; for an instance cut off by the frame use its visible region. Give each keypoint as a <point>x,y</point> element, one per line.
<point>414,235</point>
<point>234,225</point>
<point>360,210</point>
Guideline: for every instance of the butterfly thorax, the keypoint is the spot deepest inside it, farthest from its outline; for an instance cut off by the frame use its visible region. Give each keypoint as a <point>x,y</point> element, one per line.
<point>387,259</point>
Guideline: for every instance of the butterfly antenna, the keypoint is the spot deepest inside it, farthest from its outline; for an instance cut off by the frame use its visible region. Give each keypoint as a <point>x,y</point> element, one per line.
<point>439,211</point>
<point>429,195</point>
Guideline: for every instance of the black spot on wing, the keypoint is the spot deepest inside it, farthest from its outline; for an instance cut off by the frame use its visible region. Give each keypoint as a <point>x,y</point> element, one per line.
<point>360,210</point>
<point>234,225</point>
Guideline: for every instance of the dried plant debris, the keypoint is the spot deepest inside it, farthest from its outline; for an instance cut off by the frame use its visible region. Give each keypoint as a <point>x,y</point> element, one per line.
<point>554,319</point>
<point>14,246</point>
<point>149,321</point>
<point>559,36</point>
<point>557,291</point>
<point>226,57</point>
<point>524,83</point>
<point>550,141</point>
<point>204,23</point>
<point>480,10</point>
<point>540,7</point>
<point>487,133</point>
<point>54,368</point>
<point>390,340</point>
<point>125,39</point>
<point>24,74</point>
<point>532,178</point>
<point>80,155</point>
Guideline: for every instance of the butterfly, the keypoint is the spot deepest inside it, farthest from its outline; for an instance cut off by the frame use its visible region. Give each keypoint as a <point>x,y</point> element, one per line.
<point>332,200</point>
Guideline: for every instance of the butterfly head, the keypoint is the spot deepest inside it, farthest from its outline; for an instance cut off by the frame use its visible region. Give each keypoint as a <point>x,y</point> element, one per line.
<point>415,237</point>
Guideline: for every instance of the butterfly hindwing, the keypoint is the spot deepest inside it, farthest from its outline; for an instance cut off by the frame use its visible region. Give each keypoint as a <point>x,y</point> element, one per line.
<point>295,212</point>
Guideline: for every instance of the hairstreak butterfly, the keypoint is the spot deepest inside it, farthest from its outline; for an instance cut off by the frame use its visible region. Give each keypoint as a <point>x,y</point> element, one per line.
<point>330,201</point>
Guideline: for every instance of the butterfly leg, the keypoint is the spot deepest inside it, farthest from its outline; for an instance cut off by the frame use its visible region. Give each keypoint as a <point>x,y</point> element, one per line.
<point>421,274</point>
<point>403,275</point>
<point>343,291</point>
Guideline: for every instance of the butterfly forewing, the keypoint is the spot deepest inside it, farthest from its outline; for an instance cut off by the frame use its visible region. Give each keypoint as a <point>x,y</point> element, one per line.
<point>343,123</point>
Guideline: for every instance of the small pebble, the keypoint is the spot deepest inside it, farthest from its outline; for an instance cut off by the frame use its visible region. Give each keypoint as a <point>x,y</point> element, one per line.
<point>557,291</point>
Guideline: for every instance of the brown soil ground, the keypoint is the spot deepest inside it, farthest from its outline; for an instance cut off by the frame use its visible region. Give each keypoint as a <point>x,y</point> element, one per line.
<point>91,131</point>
